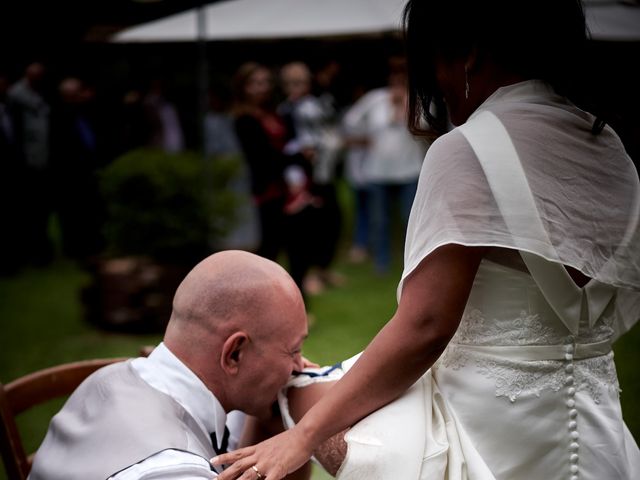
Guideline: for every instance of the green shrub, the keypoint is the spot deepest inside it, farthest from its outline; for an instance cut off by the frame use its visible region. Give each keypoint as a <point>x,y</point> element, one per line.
<point>170,207</point>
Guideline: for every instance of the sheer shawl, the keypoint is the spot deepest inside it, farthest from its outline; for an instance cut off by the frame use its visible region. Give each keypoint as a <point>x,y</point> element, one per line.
<point>585,188</point>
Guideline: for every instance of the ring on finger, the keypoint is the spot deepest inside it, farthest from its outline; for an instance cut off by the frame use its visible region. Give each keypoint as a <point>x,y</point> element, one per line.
<point>259,476</point>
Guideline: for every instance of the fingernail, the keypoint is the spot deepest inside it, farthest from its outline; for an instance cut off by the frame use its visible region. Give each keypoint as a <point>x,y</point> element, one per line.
<point>214,460</point>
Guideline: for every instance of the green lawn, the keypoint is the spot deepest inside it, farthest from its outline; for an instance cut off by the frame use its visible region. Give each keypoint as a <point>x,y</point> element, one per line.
<point>42,325</point>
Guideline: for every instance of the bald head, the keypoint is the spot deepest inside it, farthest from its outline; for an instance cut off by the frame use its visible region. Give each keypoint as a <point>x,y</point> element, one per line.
<point>228,290</point>
<point>238,321</point>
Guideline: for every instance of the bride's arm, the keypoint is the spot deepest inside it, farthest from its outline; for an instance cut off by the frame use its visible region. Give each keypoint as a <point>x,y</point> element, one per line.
<point>331,452</point>
<point>432,302</point>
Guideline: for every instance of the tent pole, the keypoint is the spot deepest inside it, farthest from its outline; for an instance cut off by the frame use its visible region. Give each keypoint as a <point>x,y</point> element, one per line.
<point>203,73</point>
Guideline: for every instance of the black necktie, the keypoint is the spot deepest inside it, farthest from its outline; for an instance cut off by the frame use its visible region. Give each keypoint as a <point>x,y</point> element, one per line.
<point>224,444</point>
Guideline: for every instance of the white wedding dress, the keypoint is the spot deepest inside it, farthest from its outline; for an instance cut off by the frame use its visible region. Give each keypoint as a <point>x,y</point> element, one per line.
<point>514,396</point>
<point>527,387</point>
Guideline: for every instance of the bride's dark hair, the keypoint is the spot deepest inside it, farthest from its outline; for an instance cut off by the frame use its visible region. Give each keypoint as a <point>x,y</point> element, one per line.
<point>536,39</point>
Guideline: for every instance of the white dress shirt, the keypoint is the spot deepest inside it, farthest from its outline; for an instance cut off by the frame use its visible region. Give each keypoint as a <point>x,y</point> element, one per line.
<point>393,155</point>
<point>165,372</point>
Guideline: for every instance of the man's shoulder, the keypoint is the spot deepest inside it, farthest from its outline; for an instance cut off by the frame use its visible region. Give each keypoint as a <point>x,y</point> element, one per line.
<point>109,373</point>
<point>115,407</point>
<point>116,393</point>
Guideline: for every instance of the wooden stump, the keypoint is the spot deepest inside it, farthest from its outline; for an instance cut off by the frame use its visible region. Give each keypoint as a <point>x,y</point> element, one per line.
<point>132,294</point>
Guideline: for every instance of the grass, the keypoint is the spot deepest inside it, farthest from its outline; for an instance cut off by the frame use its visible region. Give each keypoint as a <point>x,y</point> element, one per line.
<point>42,324</point>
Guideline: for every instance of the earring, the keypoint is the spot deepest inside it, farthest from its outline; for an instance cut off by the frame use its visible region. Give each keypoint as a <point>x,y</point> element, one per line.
<point>466,84</point>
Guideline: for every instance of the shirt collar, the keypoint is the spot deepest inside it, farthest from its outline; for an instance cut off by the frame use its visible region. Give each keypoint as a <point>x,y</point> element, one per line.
<point>166,373</point>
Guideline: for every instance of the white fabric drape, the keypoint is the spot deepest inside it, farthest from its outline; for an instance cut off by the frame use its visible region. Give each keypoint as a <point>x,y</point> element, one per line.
<point>585,188</point>
<point>417,436</point>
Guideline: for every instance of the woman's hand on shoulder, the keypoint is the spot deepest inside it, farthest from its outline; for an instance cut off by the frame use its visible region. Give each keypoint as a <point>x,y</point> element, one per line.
<point>273,459</point>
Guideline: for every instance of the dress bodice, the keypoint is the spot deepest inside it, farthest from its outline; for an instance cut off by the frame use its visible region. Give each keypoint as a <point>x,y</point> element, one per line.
<point>510,334</point>
<point>506,307</point>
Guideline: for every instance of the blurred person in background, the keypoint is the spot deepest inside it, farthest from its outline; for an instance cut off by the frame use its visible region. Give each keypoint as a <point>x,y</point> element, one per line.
<point>355,154</point>
<point>165,126</point>
<point>31,110</point>
<point>10,190</point>
<point>393,159</point>
<point>316,139</point>
<point>326,78</point>
<point>220,140</point>
<point>74,164</point>
<point>262,135</point>
<point>133,127</point>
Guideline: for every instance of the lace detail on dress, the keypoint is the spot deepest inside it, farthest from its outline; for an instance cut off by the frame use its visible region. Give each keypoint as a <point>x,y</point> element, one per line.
<point>596,375</point>
<point>514,378</point>
<point>526,329</point>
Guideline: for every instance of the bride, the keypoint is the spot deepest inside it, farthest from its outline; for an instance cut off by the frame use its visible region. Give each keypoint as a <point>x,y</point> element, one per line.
<point>522,266</point>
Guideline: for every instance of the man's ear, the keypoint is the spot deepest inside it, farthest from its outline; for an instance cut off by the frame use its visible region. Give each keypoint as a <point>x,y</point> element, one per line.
<point>233,351</point>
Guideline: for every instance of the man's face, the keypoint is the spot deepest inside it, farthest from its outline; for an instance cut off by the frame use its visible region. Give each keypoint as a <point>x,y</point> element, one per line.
<point>273,357</point>
<point>296,85</point>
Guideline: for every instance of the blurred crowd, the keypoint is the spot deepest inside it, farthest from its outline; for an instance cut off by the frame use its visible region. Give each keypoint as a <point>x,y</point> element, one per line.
<point>49,154</point>
<point>296,137</point>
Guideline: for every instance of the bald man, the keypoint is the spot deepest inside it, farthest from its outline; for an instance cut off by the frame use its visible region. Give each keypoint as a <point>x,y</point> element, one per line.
<point>233,340</point>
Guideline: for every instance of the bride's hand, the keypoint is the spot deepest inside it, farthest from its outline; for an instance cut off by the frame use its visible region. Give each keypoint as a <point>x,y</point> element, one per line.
<point>272,459</point>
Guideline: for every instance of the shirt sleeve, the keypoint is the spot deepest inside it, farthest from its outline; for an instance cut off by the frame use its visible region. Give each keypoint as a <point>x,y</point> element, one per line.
<point>453,204</point>
<point>168,464</point>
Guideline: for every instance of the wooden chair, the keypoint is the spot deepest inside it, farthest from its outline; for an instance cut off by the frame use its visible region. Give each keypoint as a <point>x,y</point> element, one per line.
<point>31,390</point>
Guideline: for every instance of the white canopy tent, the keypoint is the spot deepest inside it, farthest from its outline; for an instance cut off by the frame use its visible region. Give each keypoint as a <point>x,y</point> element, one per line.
<point>608,20</point>
<point>268,19</point>
<point>611,20</point>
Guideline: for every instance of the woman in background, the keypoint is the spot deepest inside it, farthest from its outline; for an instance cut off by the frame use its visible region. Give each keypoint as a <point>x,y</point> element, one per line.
<point>262,135</point>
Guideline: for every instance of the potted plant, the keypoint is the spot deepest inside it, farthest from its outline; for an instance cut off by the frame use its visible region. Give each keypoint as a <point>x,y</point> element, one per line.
<point>163,214</point>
